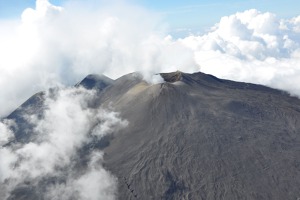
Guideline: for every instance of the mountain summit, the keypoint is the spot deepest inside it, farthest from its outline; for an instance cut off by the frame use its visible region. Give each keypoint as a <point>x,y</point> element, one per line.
<point>195,137</point>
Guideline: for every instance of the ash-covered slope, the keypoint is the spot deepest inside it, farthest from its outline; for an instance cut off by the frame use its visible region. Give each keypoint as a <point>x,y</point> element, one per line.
<point>199,137</point>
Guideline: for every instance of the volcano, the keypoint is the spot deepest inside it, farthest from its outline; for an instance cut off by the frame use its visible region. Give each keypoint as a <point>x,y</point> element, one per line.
<point>194,136</point>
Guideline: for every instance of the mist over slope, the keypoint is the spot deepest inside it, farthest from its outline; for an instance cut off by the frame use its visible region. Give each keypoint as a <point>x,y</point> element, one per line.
<point>194,136</point>
<point>51,149</point>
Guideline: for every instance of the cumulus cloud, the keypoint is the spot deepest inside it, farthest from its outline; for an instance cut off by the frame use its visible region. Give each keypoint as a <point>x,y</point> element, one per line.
<point>54,45</point>
<point>52,159</point>
<point>252,47</point>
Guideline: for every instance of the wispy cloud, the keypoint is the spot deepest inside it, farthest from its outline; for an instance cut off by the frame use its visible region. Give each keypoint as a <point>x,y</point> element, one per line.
<point>51,161</point>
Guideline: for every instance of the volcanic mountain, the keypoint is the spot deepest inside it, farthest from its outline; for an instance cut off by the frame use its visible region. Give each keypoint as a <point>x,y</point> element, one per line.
<point>194,136</point>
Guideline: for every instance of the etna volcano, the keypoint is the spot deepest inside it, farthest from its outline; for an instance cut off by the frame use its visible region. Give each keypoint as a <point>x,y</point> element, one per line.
<point>193,136</point>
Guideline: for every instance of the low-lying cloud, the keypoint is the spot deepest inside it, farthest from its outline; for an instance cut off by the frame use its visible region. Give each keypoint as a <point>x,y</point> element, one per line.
<point>60,158</point>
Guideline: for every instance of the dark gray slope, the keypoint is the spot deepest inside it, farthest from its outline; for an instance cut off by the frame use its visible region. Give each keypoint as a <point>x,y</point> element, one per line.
<point>199,137</point>
<point>95,81</point>
<point>35,105</point>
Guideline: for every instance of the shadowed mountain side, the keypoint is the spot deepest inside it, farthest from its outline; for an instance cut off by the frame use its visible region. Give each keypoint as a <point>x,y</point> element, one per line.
<point>95,81</point>
<point>35,105</point>
<point>202,138</point>
<point>199,137</point>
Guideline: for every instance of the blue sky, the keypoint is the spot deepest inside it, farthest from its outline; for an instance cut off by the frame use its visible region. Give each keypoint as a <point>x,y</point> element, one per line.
<point>194,15</point>
<point>198,15</point>
<point>13,8</point>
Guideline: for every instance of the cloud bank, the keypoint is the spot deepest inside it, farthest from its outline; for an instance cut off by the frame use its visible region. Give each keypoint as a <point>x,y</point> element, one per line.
<point>54,45</point>
<point>60,159</point>
<point>251,47</point>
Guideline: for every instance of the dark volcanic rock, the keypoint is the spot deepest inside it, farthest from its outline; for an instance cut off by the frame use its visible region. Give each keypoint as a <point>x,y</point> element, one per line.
<point>199,137</point>
<point>95,81</point>
<point>172,77</point>
<point>34,105</point>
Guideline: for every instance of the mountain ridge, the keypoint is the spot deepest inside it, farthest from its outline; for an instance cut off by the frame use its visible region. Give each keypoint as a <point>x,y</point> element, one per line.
<point>199,137</point>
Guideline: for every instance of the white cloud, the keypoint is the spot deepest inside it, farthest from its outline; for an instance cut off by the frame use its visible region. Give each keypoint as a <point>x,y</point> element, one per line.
<point>68,125</point>
<point>252,47</point>
<point>53,45</point>
<point>95,184</point>
<point>6,134</point>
